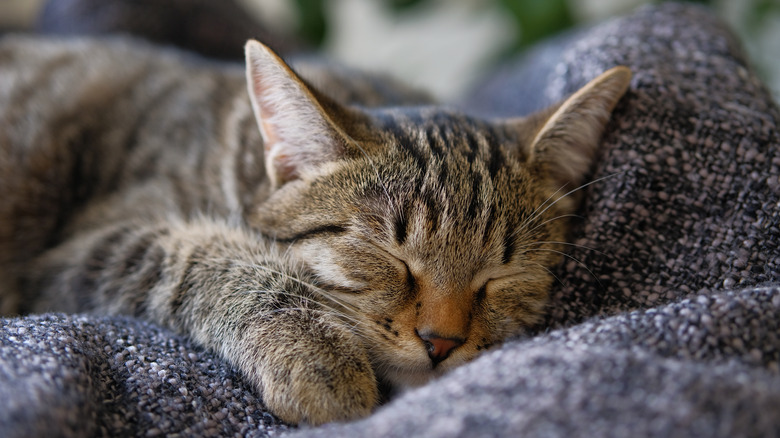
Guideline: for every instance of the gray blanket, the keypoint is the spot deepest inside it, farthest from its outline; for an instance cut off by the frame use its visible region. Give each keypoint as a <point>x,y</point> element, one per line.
<point>665,320</point>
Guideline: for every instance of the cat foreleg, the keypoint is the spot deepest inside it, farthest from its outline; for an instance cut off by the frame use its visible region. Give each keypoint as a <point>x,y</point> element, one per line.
<point>231,292</point>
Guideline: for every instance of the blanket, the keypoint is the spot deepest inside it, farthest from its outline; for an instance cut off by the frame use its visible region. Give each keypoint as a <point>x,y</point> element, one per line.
<point>664,321</point>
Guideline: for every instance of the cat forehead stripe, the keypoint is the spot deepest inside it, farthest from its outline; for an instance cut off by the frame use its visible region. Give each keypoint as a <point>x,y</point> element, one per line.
<point>439,144</point>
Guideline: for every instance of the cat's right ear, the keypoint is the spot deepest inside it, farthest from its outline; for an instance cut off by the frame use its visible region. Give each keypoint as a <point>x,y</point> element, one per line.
<point>561,142</point>
<point>298,134</point>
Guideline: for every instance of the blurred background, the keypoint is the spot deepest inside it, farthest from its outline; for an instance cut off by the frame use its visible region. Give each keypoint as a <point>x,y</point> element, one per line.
<point>444,45</point>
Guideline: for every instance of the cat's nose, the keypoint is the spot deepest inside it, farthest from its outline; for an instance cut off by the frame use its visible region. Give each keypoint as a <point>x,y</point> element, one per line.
<point>439,348</point>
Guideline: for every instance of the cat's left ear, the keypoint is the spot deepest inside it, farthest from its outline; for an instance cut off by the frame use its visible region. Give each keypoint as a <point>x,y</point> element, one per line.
<point>298,133</point>
<point>561,142</point>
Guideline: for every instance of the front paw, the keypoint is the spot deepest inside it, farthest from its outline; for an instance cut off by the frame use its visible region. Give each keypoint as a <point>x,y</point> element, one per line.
<point>312,370</point>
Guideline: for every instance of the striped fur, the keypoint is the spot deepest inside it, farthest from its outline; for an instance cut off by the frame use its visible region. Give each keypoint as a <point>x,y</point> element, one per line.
<point>321,238</point>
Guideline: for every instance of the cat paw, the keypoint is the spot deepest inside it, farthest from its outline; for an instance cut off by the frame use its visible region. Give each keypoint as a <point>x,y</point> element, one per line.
<point>322,394</point>
<point>314,371</point>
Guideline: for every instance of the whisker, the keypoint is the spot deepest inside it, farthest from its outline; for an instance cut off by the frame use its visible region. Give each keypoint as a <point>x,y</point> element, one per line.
<point>356,325</point>
<point>551,273</point>
<point>539,225</point>
<point>304,300</point>
<point>535,216</point>
<point>312,287</point>
<point>555,242</point>
<point>572,258</point>
<point>535,213</point>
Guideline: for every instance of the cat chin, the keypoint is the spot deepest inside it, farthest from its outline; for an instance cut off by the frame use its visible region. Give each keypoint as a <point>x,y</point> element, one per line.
<point>405,379</point>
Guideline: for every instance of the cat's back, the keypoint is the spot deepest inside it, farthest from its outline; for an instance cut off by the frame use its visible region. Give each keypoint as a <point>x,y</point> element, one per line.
<point>111,100</point>
<point>85,119</point>
<point>89,117</point>
<point>42,80</point>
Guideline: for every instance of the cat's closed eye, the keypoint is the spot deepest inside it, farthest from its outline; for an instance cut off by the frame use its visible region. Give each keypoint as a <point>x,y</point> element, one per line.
<point>411,283</point>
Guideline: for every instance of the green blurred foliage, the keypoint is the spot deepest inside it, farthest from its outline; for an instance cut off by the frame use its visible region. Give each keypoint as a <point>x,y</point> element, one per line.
<point>535,19</point>
<point>311,19</point>
<point>762,9</point>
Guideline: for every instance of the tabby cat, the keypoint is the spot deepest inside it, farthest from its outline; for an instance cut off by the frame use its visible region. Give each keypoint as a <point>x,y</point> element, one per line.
<point>318,235</point>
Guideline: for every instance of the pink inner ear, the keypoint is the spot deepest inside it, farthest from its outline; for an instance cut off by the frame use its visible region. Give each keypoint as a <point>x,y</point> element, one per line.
<point>284,165</point>
<point>269,135</point>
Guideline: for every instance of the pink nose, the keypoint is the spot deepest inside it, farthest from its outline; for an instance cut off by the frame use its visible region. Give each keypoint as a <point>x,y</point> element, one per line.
<point>439,348</point>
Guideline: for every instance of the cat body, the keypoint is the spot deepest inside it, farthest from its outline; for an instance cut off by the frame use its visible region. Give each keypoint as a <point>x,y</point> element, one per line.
<point>323,232</point>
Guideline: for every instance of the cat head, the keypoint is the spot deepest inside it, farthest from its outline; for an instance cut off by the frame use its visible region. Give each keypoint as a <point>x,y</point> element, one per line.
<point>431,232</point>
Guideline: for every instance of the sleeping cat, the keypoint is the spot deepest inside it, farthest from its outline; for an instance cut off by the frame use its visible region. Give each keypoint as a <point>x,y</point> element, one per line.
<point>316,233</point>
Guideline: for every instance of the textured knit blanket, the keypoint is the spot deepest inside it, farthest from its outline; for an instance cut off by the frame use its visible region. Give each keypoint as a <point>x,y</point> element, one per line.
<point>665,320</point>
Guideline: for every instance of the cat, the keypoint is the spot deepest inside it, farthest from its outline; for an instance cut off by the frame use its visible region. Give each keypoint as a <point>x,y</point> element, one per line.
<point>324,231</point>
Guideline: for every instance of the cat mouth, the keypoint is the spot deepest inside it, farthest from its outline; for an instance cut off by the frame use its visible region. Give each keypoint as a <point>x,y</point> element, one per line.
<point>411,376</point>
